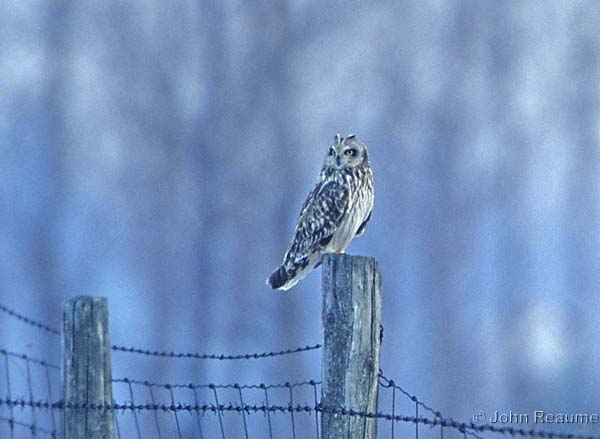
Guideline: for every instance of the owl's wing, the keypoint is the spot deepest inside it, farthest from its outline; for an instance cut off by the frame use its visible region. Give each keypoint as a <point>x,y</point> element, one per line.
<point>319,218</point>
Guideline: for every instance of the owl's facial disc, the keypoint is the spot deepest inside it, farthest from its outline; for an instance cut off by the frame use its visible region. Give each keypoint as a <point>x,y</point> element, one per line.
<point>345,153</point>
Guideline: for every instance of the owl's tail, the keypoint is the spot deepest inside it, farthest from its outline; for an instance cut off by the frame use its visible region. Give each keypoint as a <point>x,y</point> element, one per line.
<point>278,279</point>
<point>284,279</point>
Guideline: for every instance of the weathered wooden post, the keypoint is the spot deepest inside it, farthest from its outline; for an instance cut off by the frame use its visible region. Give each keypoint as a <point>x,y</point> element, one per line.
<point>351,322</point>
<point>87,377</point>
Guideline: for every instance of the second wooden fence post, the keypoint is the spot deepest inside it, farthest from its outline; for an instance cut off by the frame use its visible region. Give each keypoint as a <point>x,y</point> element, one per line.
<point>87,378</point>
<point>351,322</point>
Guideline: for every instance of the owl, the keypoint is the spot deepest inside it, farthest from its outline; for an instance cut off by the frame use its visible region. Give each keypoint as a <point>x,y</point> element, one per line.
<point>336,210</point>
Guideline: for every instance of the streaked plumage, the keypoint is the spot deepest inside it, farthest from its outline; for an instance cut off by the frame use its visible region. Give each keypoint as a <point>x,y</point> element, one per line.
<point>335,211</point>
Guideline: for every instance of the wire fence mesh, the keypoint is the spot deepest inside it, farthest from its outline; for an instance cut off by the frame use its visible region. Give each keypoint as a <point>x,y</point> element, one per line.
<point>31,379</point>
<point>31,405</point>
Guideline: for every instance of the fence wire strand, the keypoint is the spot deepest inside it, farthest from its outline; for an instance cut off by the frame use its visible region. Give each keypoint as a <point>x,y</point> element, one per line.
<point>310,409</point>
<point>201,356</point>
<point>150,388</point>
<point>268,413</point>
<point>388,383</point>
<point>127,380</point>
<point>196,401</point>
<point>156,353</point>
<point>9,394</point>
<point>49,387</point>
<point>175,418</point>
<point>291,404</point>
<point>243,413</point>
<point>117,426</point>
<point>219,412</point>
<point>135,416</point>
<point>28,320</point>
<point>393,408</point>
<point>31,397</point>
<point>316,399</point>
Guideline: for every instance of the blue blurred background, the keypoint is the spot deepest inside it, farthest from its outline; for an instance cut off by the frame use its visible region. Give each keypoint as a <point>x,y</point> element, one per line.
<point>157,153</point>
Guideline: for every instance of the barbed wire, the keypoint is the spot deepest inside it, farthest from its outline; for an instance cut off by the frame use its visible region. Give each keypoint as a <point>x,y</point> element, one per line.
<point>389,383</point>
<point>28,321</point>
<point>310,409</point>
<point>236,386</point>
<point>156,353</point>
<point>28,358</point>
<point>201,356</point>
<point>460,426</point>
<point>386,382</point>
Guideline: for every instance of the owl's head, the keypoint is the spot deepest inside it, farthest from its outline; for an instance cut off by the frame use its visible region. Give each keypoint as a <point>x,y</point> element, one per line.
<point>346,152</point>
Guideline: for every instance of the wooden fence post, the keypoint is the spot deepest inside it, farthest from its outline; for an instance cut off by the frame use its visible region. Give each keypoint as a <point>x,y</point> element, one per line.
<point>87,377</point>
<point>351,322</point>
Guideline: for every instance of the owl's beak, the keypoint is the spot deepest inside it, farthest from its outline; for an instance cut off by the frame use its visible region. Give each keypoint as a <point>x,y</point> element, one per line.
<point>338,160</point>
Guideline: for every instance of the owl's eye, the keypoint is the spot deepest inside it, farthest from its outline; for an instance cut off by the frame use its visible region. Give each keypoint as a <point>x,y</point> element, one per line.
<point>332,151</point>
<point>350,152</point>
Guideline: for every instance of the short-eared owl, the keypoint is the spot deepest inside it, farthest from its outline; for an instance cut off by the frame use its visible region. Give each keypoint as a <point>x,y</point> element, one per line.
<point>335,211</point>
